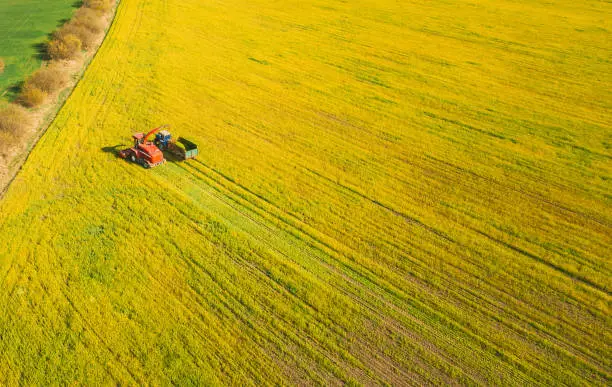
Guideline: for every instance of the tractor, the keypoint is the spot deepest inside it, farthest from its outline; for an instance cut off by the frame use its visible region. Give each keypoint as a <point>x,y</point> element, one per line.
<point>144,152</point>
<point>181,148</point>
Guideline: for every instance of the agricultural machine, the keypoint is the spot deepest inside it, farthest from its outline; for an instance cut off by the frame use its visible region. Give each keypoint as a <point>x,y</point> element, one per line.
<point>181,148</point>
<point>150,153</point>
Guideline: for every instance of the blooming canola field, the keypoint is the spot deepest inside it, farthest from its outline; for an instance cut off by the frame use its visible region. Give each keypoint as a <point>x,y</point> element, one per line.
<point>412,192</point>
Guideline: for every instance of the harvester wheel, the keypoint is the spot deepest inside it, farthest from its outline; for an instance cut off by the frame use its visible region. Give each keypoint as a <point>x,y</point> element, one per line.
<point>133,158</point>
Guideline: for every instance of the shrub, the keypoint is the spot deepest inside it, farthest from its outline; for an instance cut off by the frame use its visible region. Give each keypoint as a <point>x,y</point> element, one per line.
<point>90,19</point>
<point>6,141</point>
<point>86,25</point>
<point>66,47</point>
<point>14,120</point>
<point>1,65</point>
<point>85,35</point>
<point>99,5</point>
<point>48,79</point>
<point>31,96</point>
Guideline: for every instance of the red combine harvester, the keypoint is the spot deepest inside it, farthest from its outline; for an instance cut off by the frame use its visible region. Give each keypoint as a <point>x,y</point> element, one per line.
<point>144,152</point>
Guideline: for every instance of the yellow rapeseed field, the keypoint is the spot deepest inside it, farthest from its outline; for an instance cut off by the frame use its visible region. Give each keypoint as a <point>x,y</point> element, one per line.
<point>403,192</point>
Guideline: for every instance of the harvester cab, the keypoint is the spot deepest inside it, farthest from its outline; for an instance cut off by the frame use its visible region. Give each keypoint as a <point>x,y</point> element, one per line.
<point>138,138</point>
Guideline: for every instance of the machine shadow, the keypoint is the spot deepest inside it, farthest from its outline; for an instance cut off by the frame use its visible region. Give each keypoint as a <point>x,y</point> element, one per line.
<point>114,150</point>
<point>171,157</point>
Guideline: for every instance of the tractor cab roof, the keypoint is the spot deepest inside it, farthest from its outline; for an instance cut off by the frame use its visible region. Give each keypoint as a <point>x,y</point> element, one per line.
<point>165,133</point>
<point>138,136</point>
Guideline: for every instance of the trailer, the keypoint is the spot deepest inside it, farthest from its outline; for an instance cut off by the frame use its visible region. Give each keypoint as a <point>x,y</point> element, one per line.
<point>184,148</point>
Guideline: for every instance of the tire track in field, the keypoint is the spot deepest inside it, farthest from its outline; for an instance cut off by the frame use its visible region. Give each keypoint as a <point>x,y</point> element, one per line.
<point>536,199</point>
<point>551,265</point>
<point>192,263</point>
<point>260,224</point>
<point>467,296</point>
<point>544,262</point>
<point>496,288</point>
<point>315,312</point>
<point>520,332</point>
<point>435,334</point>
<point>408,218</point>
<point>521,191</point>
<point>574,346</point>
<point>241,211</point>
<point>375,296</point>
<point>197,267</point>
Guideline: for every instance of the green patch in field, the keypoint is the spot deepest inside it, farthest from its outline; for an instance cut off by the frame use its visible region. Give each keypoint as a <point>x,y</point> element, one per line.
<point>24,28</point>
<point>263,62</point>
